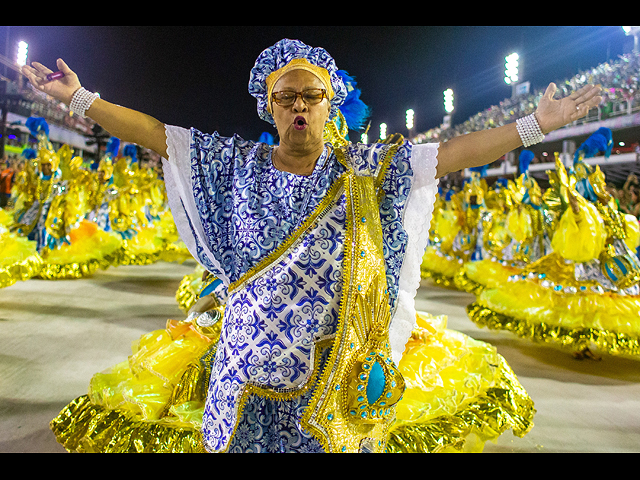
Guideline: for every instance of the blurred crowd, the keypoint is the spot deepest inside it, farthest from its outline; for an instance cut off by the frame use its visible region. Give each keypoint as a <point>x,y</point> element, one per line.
<point>627,197</point>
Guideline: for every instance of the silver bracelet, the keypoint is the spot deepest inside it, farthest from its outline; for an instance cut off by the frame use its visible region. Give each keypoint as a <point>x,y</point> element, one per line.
<point>81,101</point>
<point>529,130</point>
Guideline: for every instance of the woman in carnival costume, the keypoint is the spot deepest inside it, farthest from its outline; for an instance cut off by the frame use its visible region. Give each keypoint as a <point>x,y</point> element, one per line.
<point>154,401</point>
<point>585,293</point>
<point>453,234</point>
<point>141,216</point>
<point>319,253</point>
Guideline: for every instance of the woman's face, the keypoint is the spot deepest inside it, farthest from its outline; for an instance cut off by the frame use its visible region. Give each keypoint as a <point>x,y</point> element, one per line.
<point>300,126</point>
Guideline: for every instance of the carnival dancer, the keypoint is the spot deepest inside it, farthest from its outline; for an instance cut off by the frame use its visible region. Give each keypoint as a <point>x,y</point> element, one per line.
<point>318,247</point>
<point>142,244</point>
<point>439,263</point>
<point>520,232</point>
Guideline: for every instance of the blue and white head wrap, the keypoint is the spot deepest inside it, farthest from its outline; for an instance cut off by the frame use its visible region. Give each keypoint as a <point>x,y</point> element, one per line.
<point>280,55</point>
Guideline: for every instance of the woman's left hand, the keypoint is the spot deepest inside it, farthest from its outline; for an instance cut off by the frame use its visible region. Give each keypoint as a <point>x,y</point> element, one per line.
<point>553,114</point>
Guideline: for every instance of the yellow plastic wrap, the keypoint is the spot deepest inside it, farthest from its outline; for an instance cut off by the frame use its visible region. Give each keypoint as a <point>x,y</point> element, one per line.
<point>441,269</point>
<point>144,385</point>
<point>460,393</point>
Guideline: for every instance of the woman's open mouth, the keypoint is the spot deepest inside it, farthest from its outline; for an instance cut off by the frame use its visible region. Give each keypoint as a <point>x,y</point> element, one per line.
<point>300,123</point>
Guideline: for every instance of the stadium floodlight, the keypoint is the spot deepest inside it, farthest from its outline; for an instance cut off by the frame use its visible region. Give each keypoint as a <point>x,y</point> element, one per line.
<point>448,101</point>
<point>383,131</point>
<point>635,31</point>
<point>511,68</point>
<point>23,50</point>
<point>410,119</point>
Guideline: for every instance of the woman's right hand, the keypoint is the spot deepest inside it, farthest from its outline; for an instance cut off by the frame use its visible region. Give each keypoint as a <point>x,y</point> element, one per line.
<point>62,89</point>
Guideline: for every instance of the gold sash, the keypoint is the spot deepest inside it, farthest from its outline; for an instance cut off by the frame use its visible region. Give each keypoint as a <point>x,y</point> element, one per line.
<point>353,405</point>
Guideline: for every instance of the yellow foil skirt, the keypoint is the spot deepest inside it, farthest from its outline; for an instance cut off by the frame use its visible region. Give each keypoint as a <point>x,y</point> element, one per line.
<point>90,249</point>
<point>84,427</point>
<point>474,277</point>
<point>145,248</point>
<point>460,394</point>
<point>20,271</point>
<point>440,269</point>
<point>19,259</point>
<point>573,321</point>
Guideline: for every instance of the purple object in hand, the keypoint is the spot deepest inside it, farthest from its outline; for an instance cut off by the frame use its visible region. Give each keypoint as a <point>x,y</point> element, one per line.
<point>55,76</point>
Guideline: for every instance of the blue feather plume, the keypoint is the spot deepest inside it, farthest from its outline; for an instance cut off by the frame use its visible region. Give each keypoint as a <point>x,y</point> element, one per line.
<point>355,111</point>
<point>600,141</point>
<point>267,138</point>
<point>37,125</point>
<point>481,170</point>
<point>29,153</point>
<point>131,151</point>
<point>525,159</point>
<point>502,182</point>
<point>113,146</point>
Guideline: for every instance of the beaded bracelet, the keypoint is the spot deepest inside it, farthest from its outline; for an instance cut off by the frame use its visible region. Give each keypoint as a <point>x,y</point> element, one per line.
<point>81,101</point>
<point>529,130</point>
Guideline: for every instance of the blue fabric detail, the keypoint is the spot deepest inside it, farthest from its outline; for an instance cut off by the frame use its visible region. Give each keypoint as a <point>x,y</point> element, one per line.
<point>210,288</point>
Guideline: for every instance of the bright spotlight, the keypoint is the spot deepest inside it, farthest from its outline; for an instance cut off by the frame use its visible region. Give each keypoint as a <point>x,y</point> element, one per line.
<point>511,68</point>
<point>448,101</point>
<point>383,131</point>
<point>410,118</point>
<point>23,50</point>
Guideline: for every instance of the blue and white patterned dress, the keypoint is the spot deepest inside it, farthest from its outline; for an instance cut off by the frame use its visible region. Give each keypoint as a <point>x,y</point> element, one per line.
<point>233,208</point>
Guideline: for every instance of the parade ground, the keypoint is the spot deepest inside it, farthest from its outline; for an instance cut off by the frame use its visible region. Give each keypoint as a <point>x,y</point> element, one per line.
<point>56,334</point>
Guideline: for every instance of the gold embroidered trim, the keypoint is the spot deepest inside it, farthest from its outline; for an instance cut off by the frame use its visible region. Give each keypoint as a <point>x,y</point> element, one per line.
<point>332,416</point>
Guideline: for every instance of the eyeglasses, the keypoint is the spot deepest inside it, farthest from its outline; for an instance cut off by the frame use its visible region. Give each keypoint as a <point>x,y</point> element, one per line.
<point>313,96</point>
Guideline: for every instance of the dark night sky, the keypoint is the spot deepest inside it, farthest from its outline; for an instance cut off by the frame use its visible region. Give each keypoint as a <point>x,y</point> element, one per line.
<point>197,76</point>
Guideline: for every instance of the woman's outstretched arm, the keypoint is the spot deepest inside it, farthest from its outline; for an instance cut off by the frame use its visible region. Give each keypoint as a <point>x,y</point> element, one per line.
<point>128,125</point>
<point>481,148</point>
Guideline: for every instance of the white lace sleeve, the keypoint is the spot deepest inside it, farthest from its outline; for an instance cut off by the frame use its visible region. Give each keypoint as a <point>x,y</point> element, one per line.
<point>177,177</point>
<point>417,221</point>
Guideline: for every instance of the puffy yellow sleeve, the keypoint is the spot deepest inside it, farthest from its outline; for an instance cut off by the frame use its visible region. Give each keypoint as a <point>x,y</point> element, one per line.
<point>633,232</point>
<point>519,224</point>
<point>580,237</point>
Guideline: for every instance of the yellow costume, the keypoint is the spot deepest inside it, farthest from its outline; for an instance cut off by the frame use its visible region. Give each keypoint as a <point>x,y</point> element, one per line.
<point>460,392</point>
<point>518,233</point>
<point>586,292</point>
